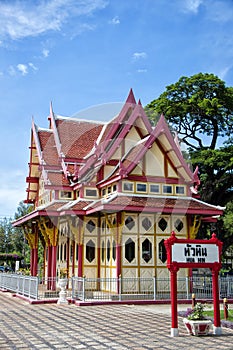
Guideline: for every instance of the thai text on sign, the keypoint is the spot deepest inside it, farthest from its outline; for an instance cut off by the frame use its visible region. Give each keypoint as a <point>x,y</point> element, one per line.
<point>195,253</point>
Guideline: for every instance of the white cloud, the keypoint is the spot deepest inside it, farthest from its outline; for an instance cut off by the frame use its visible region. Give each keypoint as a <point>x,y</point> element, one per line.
<point>192,5</point>
<point>23,68</point>
<point>215,10</point>
<point>32,66</point>
<point>142,70</point>
<point>139,55</point>
<point>20,19</point>
<point>115,20</point>
<point>45,53</point>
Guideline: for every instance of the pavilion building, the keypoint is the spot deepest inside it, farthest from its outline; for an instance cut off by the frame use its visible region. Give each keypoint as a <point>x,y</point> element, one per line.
<point>105,196</point>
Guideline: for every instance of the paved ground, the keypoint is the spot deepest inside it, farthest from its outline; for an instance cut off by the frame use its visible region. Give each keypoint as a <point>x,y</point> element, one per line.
<point>119,327</point>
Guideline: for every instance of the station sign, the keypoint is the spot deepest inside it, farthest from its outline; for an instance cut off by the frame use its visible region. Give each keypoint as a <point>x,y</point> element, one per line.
<point>195,253</point>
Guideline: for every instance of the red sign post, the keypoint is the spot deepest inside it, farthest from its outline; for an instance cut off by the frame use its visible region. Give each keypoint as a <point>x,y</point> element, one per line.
<point>193,253</point>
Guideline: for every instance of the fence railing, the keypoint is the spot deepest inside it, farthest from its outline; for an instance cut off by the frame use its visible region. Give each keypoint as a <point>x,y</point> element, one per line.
<point>115,289</point>
<point>23,285</point>
<point>147,288</point>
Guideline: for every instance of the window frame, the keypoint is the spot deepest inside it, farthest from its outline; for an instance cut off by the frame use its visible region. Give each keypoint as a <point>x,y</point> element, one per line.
<point>129,183</point>
<point>141,184</point>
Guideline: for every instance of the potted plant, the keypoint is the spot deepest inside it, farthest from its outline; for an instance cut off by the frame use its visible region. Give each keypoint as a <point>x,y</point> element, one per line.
<point>63,273</point>
<point>196,323</point>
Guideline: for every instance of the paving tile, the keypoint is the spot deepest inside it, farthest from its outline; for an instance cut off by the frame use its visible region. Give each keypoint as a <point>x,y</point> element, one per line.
<point>104,327</point>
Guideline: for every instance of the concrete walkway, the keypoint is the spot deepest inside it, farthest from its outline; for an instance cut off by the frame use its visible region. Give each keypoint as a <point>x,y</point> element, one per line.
<point>119,327</point>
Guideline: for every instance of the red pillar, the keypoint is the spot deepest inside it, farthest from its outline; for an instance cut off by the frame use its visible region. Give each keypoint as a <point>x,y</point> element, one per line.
<point>35,261</point>
<point>80,247</point>
<point>174,323</point>
<point>68,256</point>
<point>215,287</point>
<point>118,260</point>
<point>118,251</point>
<point>53,267</point>
<point>32,262</point>
<point>73,258</point>
<point>49,266</point>
<point>80,260</point>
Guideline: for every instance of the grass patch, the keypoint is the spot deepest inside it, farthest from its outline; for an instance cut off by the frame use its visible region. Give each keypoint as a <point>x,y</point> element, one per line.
<point>210,313</point>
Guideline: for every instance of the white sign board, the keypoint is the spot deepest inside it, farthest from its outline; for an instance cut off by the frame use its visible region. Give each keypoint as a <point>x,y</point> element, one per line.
<point>195,253</point>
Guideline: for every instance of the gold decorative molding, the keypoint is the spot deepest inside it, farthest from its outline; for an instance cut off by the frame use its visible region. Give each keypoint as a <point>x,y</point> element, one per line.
<point>50,234</point>
<point>32,237</point>
<point>115,228</point>
<point>195,226</point>
<point>78,231</point>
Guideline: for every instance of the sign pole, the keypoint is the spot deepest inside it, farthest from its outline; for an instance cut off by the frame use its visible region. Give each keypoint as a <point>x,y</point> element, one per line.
<point>193,253</point>
<point>217,321</point>
<point>174,324</point>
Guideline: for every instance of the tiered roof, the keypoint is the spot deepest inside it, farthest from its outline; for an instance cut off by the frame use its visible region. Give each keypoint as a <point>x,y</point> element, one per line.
<point>73,152</point>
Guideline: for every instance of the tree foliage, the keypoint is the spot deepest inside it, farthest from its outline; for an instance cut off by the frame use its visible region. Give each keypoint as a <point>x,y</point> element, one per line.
<point>216,174</point>
<point>200,108</point>
<point>12,240</point>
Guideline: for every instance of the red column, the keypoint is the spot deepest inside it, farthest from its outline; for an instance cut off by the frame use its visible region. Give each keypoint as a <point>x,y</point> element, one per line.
<point>73,258</point>
<point>80,260</point>
<point>118,250</point>
<point>53,267</point>
<point>35,261</point>
<point>32,261</point>
<point>80,247</point>
<point>215,287</point>
<point>118,260</point>
<point>174,323</point>
<point>49,266</point>
<point>68,256</point>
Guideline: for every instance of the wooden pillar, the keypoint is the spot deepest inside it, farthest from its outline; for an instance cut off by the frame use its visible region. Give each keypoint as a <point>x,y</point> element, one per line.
<point>35,261</point>
<point>80,246</point>
<point>53,266</point>
<point>98,248</point>
<point>73,257</point>
<point>31,261</point>
<point>80,260</point>
<point>49,266</point>
<point>68,256</point>
<point>173,281</point>
<point>215,291</point>
<point>119,227</point>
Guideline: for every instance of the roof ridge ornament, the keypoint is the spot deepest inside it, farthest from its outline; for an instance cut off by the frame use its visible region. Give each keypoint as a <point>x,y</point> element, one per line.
<point>131,98</point>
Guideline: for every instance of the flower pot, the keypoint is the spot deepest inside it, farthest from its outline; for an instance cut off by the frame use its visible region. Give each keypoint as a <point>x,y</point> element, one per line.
<point>198,327</point>
<point>62,294</point>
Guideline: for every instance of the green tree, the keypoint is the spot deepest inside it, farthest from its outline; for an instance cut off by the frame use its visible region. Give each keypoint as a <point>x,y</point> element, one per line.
<point>18,237</point>
<point>200,109</point>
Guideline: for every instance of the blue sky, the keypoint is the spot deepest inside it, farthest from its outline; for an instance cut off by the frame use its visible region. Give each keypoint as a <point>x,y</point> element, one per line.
<point>83,53</point>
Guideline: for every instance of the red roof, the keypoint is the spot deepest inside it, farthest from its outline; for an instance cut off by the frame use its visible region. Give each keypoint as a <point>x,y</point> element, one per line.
<point>48,147</point>
<point>57,179</point>
<point>77,137</point>
<point>155,204</point>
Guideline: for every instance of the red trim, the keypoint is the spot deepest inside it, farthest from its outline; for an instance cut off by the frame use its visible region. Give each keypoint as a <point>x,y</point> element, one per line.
<point>152,209</point>
<point>31,179</point>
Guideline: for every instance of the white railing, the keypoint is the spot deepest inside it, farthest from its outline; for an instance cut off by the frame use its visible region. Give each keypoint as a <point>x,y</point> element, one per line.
<point>147,288</point>
<point>115,289</point>
<point>23,285</point>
